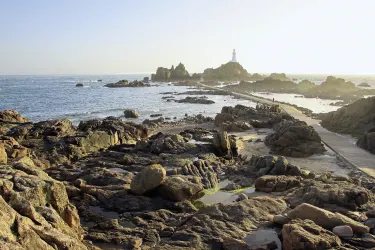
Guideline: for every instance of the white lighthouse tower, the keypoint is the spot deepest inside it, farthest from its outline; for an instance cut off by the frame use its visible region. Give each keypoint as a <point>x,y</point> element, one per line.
<point>234,59</point>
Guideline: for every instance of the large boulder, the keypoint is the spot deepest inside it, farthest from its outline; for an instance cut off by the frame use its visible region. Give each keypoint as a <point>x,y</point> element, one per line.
<point>367,141</point>
<point>295,139</point>
<point>223,118</point>
<point>224,145</point>
<point>354,119</point>
<point>326,218</point>
<point>305,234</point>
<point>148,179</point>
<point>231,71</point>
<point>131,113</point>
<point>271,183</point>
<point>179,188</point>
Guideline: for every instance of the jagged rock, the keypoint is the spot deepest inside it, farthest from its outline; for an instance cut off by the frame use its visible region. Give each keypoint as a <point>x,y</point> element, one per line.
<point>3,155</point>
<point>211,224</point>
<point>279,76</point>
<point>148,179</point>
<point>270,183</point>
<point>131,113</point>
<point>328,194</point>
<point>222,118</point>
<point>203,170</point>
<point>164,143</point>
<point>343,231</point>
<point>12,116</point>
<point>367,141</point>
<point>196,100</point>
<point>354,119</point>
<point>231,71</point>
<point>325,218</point>
<point>125,83</point>
<point>271,165</point>
<point>295,138</point>
<point>224,145</point>
<point>173,74</point>
<point>36,213</point>
<point>178,188</point>
<point>305,234</point>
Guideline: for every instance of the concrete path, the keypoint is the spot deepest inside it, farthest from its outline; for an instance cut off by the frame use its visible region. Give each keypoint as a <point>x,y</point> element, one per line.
<point>343,146</point>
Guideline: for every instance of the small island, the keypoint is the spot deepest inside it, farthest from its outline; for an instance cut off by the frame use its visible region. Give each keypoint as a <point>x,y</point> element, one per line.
<point>125,83</point>
<point>364,84</point>
<point>173,74</point>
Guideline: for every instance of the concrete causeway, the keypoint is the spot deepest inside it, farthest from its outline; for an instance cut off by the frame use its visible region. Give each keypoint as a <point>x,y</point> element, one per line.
<point>341,145</point>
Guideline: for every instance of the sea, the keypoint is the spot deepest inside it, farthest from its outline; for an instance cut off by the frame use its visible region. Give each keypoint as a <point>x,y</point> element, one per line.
<point>42,98</point>
<point>57,97</point>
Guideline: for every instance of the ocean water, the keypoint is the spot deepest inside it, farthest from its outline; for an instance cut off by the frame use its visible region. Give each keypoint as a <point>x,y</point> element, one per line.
<point>56,97</point>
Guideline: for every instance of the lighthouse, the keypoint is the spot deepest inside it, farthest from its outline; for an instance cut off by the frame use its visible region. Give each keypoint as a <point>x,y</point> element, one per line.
<point>234,59</point>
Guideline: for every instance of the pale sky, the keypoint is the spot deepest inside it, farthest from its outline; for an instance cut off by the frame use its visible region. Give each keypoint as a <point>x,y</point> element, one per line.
<point>119,36</point>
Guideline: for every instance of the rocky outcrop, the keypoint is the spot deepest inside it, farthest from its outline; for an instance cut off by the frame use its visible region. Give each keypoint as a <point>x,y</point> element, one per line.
<point>305,234</point>
<point>196,100</point>
<point>367,141</point>
<point>79,85</point>
<point>179,188</point>
<point>36,212</point>
<point>131,113</point>
<point>12,116</point>
<point>354,119</point>
<point>332,193</point>
<point>364,84</point>
<point>256,77</point>
<point>3,155</point>
<point>224,145</point>
<point>148,179</point>
<point>279,76</point>
<point>326,219</point>
<point>231,71</point>
<point>294,138</point>
<point>58,141</point>
<point>270,183</point>
<point>164,143</point>
<point>173,74</point>
<point>125,83</point>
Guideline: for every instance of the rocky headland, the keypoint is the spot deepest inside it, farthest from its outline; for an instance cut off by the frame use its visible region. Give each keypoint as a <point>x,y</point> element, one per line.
<point>356,119</point>
<point>173,74</point>
<point>109,183</point>
<point>331,88</point>
<point>231,71</point>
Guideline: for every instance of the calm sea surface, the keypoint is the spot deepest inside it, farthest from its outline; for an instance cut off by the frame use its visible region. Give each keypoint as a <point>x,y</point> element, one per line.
<point>56,97</point>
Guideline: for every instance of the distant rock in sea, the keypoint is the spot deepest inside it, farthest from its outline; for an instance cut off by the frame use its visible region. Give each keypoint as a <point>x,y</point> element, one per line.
<point>125,83</point>
<point>173,74</point>
<point>197,100</point>
<point>279,76</point>
<point>231,71</point>
<point>79,85</point>
<point>364,84</point>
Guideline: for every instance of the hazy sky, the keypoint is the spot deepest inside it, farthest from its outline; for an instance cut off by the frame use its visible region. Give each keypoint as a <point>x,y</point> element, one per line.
<point>97,36</point>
